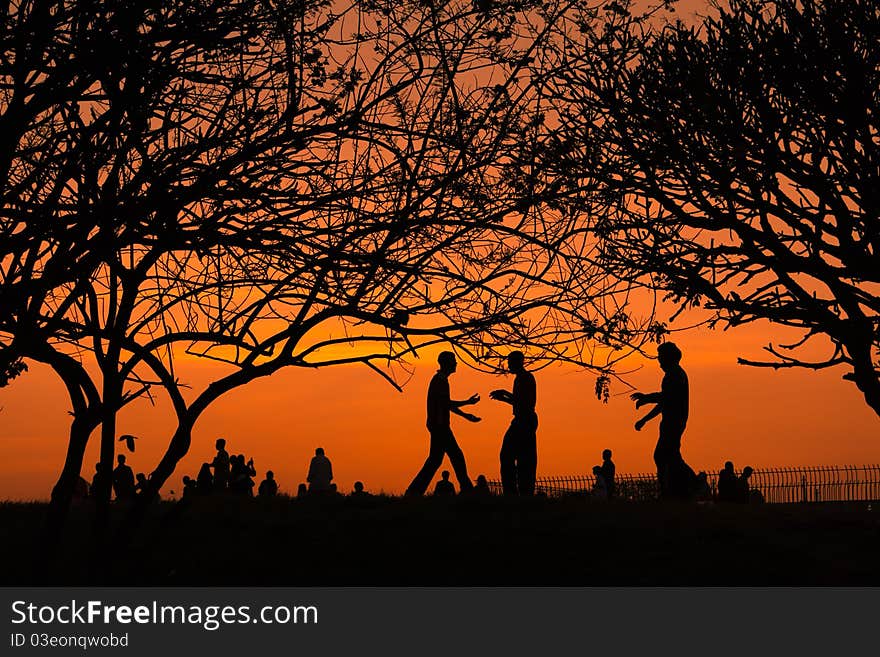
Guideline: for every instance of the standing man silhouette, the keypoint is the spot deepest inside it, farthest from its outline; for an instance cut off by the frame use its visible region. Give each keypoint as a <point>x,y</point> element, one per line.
<point>519,450</point>
<point>440,405</point>
<point>672,403</point>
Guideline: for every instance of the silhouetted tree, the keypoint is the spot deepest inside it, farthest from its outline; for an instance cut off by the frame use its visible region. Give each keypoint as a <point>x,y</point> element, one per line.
<point>264,182</point>
<point>742,167</point>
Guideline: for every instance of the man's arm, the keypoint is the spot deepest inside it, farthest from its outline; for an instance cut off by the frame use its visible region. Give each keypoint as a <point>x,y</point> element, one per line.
<point>467,416</point>
<point>470,401</point>
<point>502,395</point>
<point>654,412</point>
<point>642,398</point>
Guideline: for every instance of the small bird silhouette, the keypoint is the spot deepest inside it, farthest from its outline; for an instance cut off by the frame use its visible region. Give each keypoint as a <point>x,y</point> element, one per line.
<point>128,439</point>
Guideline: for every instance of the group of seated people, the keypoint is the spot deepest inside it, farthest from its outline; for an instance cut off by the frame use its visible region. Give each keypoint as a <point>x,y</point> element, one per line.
<point>445,488</point>
<point>229,474</point>
<point>736,489</point>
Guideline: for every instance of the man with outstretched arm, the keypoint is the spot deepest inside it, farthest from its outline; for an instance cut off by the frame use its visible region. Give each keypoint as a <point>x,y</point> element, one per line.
<point>443,442</point>
<point>672,403</point>
<point>519,449</point>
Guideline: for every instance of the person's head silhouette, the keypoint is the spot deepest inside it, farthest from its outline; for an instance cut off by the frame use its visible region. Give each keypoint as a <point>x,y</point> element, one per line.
<point>445,475</point>
<point>121,459</point>
<point>220,444</point>
<point>319,451</point>
<point>597,470</point>
<point>669,355</point>
<point>446,361</point>
<point>747,472</point>
<point>482,481</point>
<point>728,466</point>
<point>270,475</point>
<point>358,487</point>
<point>606,454</point>
<point>516,361</point>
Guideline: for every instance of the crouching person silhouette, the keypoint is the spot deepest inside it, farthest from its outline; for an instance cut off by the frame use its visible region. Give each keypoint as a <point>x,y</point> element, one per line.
<point>443,442</point>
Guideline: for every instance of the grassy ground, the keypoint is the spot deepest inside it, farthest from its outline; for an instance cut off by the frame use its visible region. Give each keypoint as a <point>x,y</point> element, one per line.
<point>393,541</point>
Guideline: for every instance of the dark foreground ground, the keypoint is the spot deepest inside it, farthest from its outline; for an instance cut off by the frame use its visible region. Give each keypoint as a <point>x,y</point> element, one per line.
<point>393,541</point>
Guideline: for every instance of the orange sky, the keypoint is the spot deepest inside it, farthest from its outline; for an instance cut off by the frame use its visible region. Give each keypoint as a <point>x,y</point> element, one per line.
<point>373,433</point>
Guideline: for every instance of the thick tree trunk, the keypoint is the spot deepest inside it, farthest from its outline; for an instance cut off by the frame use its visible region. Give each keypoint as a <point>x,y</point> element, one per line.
<point>177,449</point>
<point>62,496</point>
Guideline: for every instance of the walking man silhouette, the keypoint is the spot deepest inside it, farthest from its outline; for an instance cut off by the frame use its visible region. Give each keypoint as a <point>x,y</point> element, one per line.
<point>440,405</point>
<point>672,403</point>
<point>519,449</point>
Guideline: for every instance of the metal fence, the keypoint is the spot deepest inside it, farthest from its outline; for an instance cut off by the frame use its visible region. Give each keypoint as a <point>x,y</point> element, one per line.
<point>832,483</point>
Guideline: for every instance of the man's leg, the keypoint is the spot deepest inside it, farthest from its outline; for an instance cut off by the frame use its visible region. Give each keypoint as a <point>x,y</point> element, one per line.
<point>661,460</point>
<point>508,462</point>
<point>435,457</point>
<point>527,461</point>
<point>456,457</point>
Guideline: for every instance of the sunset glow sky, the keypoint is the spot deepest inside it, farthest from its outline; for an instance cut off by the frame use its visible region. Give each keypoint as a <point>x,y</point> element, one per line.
<point>375,434</point>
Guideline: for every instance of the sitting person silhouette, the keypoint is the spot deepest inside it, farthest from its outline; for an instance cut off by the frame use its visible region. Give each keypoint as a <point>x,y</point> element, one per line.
<point>320,473</point>
<point>675,477</point>
<point>519,448</point>
<point>268,487</point>
<point>190,488</point>
<point>359,493</point>
<point>482,487</point>
<point>123,480</point>
<point>742,490</point>
<point>241,476</point>
<point>205,480</point>
<point>727,483</point>
<point>443,443</point>
<point>80,490</point>
<point>444,487</point>
<point>302,491</point>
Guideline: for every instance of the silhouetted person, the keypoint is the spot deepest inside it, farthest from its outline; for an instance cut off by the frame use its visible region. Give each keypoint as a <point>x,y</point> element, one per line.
<point>205,479</point>
<point>320,473</point>
<point>99,480</point>
<point>359,493</point>
<point>190,488</point>
<point>241,476</point>
<point>703,492</point>
<point>727,483</point>
<point>675,477</point>
<point>481,489</point>
<point>301,491</point>
<point>608,472</point>
<point>742,485</point>
<point>268,487</point>
<point>519,449</point>
<point>123,479</point>
<point>600,486</point>
<point>143,485</point>
<point>439,406</point>
<point>80,489</point>
<point>221,466</point>
<point>444,487</point>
